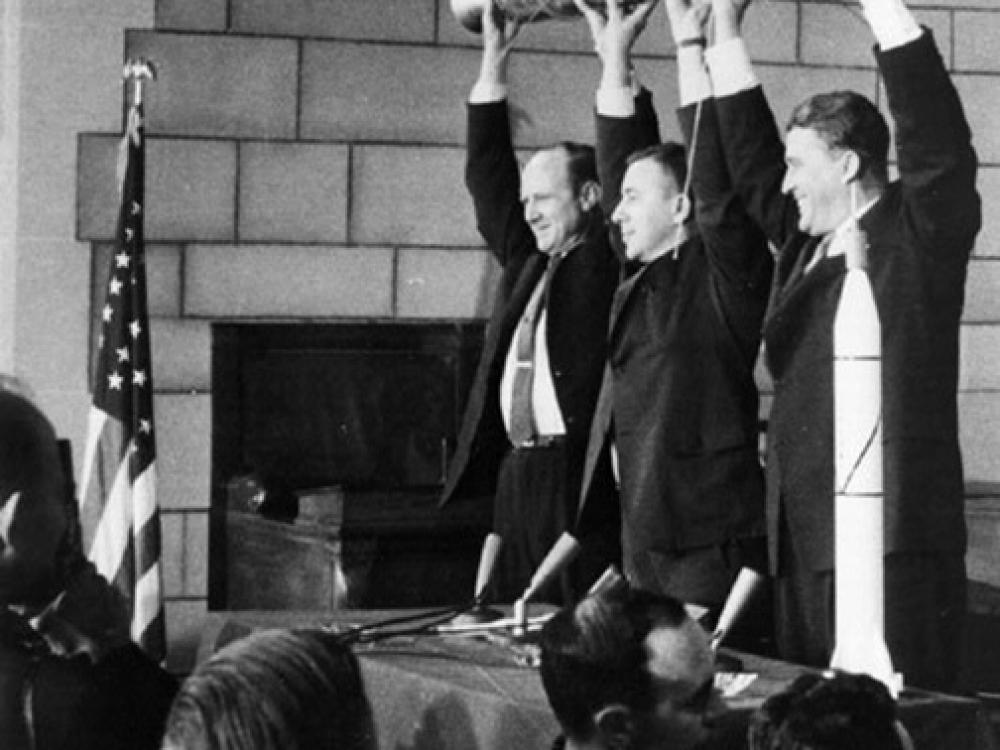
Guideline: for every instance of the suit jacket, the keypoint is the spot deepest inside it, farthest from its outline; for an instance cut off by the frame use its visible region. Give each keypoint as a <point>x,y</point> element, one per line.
<point>679,396</point>
<point>577,311</point>
<point>920,233</point>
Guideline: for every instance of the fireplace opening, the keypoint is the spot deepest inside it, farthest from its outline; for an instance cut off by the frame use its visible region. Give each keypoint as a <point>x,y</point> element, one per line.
<point>329,448</point>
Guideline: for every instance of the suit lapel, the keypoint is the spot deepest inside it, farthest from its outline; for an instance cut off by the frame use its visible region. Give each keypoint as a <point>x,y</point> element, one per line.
<point>792,281</point>
<point>534,269</point>
<point>623,296</point>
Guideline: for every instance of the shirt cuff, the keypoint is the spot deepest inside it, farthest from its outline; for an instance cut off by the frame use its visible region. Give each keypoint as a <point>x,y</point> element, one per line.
<point>730,67</point>
<point>694,83</point>
<point>487,93</point>
<point>615,101</point>
<point>892,22</point>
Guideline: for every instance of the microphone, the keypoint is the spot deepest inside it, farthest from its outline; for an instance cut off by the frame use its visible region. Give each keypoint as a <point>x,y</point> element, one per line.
<point>479,612</point>
<point>562,554</point>
<point>487,564</point>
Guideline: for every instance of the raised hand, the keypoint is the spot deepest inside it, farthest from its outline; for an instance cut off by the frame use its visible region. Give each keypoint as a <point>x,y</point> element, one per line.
<point>729,17</point>
<point>688,18</point>
<point>498,39</point>
<point>498,30</point>
<point>615,33</point>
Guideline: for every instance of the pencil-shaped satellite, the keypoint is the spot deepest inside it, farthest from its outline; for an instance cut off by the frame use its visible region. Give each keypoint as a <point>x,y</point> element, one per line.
<point>858,499</point>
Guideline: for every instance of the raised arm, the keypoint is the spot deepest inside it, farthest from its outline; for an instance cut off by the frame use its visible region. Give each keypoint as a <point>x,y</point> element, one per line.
<point>740,259</point>
<point>937,164</point>
<point>626,120</point>
<point>750,136</point>
<point>492,174</point>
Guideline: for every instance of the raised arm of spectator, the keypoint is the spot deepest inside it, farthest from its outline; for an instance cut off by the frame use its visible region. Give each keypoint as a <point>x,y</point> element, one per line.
<point>492,174</point>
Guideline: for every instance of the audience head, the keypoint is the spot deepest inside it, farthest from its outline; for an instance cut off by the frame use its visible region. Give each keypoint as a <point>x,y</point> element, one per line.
<point>560,194</point>
<point>624,668</point>
<point>274,690</point>
<point>34,492</point>
<point>835,143</point>
<point>653,207</point>
<point>817,712</point>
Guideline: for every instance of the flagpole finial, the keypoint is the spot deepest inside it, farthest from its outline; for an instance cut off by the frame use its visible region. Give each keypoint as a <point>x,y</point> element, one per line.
<point>138,71</point>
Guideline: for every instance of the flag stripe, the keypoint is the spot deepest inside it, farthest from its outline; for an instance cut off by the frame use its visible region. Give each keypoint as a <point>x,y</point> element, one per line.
<point>144,508</point>
<point>113,531</point>
<point>154,634</point>
<point>147,601</point>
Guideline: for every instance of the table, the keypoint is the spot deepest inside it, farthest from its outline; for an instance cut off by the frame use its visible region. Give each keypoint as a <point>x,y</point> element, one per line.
<point>433,693</point>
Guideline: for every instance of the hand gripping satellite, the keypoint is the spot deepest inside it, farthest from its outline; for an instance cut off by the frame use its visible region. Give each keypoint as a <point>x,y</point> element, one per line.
<point>469,12</point>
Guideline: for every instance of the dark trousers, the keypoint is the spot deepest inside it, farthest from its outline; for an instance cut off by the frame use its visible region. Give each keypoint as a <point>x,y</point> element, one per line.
<point>702,575</point>
<point>924,616</point>
<point>535,502</point>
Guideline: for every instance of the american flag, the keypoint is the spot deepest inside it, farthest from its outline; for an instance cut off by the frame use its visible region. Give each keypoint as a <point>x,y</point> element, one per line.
<point>118,511</point>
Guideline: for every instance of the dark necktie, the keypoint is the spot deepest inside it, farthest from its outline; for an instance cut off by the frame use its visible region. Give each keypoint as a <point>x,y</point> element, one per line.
<point>522,418</point>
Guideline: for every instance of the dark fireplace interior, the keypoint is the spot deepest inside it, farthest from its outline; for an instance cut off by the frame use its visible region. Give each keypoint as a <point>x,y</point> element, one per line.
<point>329,447</point>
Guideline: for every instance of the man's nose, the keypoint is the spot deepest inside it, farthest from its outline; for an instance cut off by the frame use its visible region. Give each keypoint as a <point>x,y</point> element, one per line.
<point>786,183</point>
<point>616,215</point>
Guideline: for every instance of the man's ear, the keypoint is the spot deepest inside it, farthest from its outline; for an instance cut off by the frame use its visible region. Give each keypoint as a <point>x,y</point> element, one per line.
<point>852,167</point>
<point>615,725</point>
<point>6,520</point>
<point>681,208</point>
<point>590,195</point>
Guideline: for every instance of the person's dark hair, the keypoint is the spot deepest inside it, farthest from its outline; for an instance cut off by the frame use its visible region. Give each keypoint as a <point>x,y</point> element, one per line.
<point>670,156</point>
<point>581,163</point>
<point>593,654</point>
<point>817,712</point>
<point>274,690</point>
<point>845,119</point>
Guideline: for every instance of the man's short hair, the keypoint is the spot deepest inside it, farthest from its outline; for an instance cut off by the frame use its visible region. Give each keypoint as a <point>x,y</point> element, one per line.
<point>594,654</point>
<point>289,689</point>
<point>842,712</point>
<point>670,156</point>
<point>581,163</point>
<point>846,119</point>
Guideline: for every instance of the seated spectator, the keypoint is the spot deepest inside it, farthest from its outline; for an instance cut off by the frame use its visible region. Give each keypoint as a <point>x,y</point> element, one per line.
<point>821,712</point>
<point>70,677</point>
<point>274,690</point>
<point>625,668</point>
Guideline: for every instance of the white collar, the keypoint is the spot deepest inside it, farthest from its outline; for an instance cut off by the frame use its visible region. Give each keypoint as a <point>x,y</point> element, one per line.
<point>834,247</point>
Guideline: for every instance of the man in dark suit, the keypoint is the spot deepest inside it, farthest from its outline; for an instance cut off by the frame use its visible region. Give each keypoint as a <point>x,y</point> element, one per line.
<point>677,411</point>
<point>525,427</point>
<point>829,178</point>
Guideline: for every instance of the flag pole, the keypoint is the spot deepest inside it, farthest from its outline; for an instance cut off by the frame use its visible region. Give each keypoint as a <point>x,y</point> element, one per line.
<point>138,71</point>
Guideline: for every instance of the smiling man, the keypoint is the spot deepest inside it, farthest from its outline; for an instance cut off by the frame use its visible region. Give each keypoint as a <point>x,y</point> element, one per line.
<point>676,420</point>
<point>524,432</point>
<point>810,196</point>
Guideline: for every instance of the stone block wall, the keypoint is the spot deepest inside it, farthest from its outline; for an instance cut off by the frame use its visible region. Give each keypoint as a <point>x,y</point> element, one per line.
<point>305,162</point>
